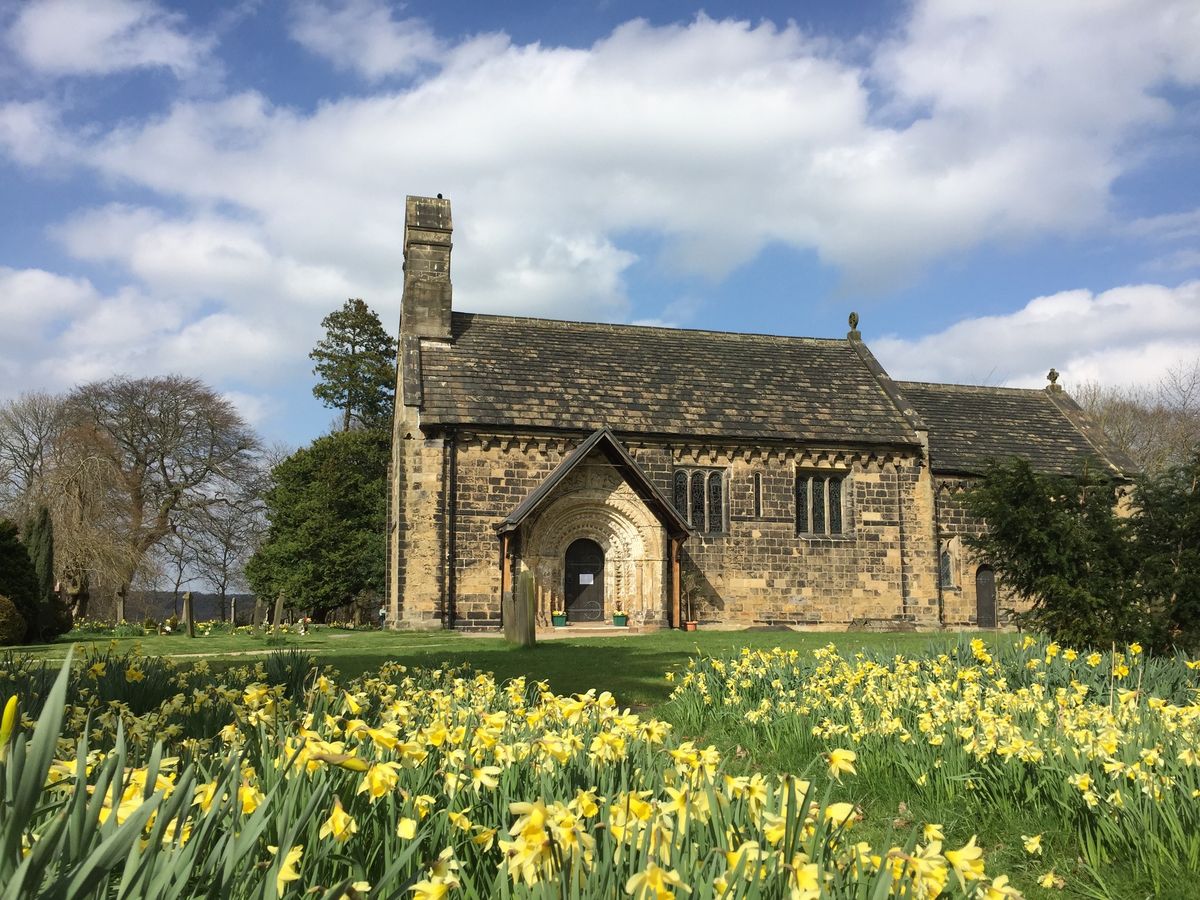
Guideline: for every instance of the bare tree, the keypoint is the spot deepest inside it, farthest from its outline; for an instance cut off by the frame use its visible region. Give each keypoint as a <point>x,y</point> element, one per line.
<point>28,426</point>
<point>143,452</point>
<point>1157,426</point>
<point>226,536</point>
<point>176,557</point>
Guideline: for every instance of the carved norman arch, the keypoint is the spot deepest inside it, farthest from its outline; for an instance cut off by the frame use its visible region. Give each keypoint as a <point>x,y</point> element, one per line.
<point>595,502</point>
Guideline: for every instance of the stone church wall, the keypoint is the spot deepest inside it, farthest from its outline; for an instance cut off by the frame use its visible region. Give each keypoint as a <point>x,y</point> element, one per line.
<point>955,524</point>
<point>760,571</point>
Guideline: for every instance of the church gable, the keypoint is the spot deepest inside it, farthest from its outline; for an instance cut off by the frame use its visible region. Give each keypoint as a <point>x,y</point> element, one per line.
<point>601,446</point>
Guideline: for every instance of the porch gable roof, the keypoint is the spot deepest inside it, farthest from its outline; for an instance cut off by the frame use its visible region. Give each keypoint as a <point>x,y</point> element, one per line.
<point>635,476</point>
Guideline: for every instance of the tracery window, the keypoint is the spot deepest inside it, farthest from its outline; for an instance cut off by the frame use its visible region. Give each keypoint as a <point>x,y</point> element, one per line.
<point>819,503</point>
<point>948,564</point>
<point>700,498</point>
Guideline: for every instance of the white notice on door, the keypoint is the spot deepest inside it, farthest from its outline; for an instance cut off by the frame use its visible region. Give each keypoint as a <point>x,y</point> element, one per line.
<point>585,578</point>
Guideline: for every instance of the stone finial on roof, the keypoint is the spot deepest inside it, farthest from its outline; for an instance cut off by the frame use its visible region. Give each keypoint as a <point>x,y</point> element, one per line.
<point>854,332</point>
<point>1052,377</point>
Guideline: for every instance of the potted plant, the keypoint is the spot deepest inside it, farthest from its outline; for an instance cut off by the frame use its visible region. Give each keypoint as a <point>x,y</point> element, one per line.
<point>558,617</point>
<point>691,584</point>
<point>620,617</point>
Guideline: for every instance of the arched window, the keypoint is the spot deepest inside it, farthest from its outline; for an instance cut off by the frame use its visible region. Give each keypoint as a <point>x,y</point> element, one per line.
<point>697,519</point>
<point>716,505</point>
<point>948,565</point>
<point>819,503</point>
<point>700,498</point>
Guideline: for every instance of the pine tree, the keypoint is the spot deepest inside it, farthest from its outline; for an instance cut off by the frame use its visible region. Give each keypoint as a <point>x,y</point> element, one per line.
<point>356,364</point>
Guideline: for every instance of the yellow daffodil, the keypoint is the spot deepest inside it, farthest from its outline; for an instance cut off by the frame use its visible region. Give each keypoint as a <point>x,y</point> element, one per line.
<point>287,869</point>
<point>406,829</point>
<point>340,825</point>
<point>656,883</point>
<point>841,762</point>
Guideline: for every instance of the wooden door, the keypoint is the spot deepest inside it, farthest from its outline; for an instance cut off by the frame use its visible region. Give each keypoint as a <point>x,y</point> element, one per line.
<point>985,597</point>
<point>584,588</point>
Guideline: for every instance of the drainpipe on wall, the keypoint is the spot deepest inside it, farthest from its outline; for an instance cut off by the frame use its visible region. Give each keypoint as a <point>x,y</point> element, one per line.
<point>449,612</point>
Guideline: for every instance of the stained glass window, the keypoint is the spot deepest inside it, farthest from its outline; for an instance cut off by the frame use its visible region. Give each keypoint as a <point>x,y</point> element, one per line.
<point>802,507</point>
<point>716,517</point>
<point>697,520</point>
<point>819,504</point>
<point>835,506</point>
<point>699,496</point>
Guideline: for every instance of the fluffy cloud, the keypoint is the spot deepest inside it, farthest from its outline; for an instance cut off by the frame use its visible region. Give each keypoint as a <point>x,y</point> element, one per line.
<point>1127,335</point>
<point>362,35</point>
<point>30,133</point>
<point>714,138</point>
<point>98,37</point>
<point>721,136</point>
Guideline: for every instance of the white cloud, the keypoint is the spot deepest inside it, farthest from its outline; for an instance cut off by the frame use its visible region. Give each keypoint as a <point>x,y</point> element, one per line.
<point>98,37</point>
<point>30,133</point>
<point>721,136</point>
<point>30,298</point>
<point>716,138</point>
<point>363,36</point>
<point>1124,336</point>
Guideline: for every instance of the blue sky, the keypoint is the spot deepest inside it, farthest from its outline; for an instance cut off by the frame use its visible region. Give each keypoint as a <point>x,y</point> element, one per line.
<point>996,188</point>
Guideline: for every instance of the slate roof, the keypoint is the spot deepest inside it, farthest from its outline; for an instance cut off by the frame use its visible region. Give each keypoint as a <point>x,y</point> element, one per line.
<point>604,441</point>
<point>524,372</point>
<point>968,426</point>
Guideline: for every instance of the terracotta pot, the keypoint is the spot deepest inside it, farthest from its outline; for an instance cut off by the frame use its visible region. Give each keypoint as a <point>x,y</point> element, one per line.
<point>690,626</point>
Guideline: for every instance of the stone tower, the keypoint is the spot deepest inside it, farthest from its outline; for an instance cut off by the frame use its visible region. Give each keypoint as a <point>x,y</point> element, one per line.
<point>416,552</point>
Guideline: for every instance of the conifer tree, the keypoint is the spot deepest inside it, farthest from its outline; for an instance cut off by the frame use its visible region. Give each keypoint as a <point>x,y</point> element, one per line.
<point>356,364</point>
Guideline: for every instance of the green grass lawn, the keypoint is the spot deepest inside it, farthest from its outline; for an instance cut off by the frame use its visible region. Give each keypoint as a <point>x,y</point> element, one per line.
<point>632,668</point>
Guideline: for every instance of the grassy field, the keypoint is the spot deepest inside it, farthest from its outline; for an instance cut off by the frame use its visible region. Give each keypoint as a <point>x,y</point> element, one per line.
<point>778,713</point>
<point>632,668</point>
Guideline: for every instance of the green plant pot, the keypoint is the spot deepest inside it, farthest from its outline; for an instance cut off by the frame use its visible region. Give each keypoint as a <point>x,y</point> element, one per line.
<point>620,619</point>
<point>558,621</point>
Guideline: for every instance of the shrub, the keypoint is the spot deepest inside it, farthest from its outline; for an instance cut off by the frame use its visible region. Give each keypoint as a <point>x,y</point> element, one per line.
<point>18,579</point>
<point>12,623</point>
<point>57,618</point>
<point>291,668</point>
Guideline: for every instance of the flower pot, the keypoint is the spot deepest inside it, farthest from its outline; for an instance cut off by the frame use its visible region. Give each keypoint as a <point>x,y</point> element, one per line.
<point>559,621</point>
<point>690,626</point>
<point>621,619</point>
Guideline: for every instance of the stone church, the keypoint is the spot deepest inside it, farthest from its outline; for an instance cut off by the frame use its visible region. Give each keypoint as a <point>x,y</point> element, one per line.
<point>682,475</point>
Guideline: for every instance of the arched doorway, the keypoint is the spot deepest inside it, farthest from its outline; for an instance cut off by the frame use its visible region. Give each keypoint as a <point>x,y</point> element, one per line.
<point>985,597</point>
<point>584,581</point>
